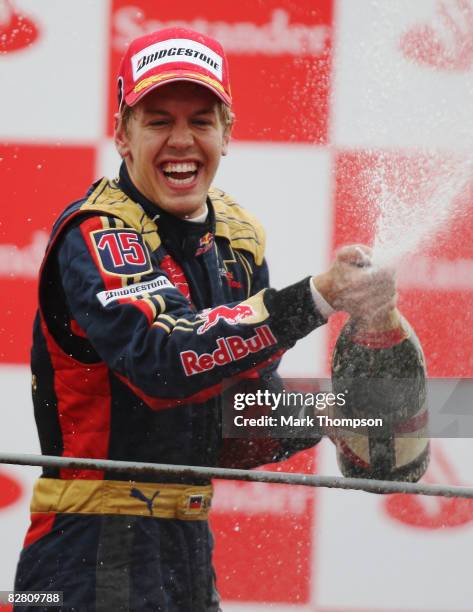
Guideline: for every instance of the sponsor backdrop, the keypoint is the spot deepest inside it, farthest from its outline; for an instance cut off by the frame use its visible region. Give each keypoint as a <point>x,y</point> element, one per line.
<point>338,103</point>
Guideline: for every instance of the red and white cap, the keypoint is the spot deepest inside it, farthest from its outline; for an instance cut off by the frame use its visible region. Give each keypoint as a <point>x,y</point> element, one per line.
<point>173,54</point>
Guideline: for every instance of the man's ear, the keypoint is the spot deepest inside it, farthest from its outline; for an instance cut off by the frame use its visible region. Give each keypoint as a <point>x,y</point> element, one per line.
<point>226,139</point>
<point>120,137</point>
<point>225,145</point>
<point>227,133</point>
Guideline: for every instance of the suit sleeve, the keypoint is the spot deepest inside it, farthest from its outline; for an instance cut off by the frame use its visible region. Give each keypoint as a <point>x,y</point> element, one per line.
<point>251,452</point>
<point>150,335</point>
<point>263,447</point>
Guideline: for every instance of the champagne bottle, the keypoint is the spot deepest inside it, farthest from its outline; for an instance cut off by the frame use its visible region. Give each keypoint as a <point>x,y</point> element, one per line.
<point>380,368</point>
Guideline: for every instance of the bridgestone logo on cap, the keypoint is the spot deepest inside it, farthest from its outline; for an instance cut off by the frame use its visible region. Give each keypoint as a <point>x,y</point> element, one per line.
<point>176,50</point>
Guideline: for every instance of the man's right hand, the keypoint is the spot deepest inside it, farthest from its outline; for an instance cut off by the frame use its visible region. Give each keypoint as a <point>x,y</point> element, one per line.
<point>353,285</point>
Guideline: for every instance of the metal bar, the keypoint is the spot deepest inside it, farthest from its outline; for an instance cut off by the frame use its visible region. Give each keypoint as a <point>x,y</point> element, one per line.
<point>308,480</point>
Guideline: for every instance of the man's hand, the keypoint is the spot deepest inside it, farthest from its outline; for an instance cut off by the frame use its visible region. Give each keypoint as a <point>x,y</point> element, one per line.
<point>352,284</point>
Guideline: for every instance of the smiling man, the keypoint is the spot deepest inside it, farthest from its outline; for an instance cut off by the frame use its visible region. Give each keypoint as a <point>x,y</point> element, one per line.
<point>173,143</point>
<point>153,294</point>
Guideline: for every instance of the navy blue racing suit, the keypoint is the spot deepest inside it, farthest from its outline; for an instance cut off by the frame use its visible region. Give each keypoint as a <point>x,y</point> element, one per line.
<point>142,320</point>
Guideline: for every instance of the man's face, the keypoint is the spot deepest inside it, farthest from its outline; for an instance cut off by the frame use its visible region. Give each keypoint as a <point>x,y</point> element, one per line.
<point>172,145</point>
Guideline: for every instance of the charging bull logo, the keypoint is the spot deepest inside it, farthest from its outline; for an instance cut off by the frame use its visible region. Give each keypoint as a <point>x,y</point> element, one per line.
<point>231,315</point>
<point>205,244</point>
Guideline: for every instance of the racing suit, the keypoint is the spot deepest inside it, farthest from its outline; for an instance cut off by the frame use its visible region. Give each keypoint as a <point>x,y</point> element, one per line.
<point>143,317</point>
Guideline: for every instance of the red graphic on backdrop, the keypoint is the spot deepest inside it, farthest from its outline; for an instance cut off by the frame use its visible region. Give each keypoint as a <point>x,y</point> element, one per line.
<point>448,45</point>
<point>278,51</point>
<point>23,262</point>
<point>269,526</point>
<point>432,512</point>
<point>10,490</point>
<point>438,280</point>
<point>38,182</point>
<point>275,37</point>
<point>16,31</point>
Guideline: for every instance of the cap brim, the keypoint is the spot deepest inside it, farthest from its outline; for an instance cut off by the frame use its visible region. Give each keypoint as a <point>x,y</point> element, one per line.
<point>143,87</point>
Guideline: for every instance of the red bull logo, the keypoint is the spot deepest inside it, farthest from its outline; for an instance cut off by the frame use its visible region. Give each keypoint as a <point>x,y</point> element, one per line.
<point>232,315</point>
<point>228,349</point>
<point>205,243</point>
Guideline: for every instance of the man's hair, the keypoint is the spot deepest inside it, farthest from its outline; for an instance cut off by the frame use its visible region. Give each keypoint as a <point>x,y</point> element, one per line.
<point>227,117</point>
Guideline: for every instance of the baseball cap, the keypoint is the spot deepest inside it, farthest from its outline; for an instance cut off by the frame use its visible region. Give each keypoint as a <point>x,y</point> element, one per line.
<point>172,54</point>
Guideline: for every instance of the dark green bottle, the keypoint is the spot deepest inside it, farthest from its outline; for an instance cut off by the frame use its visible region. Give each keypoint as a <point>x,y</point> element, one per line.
<point>380,369</point>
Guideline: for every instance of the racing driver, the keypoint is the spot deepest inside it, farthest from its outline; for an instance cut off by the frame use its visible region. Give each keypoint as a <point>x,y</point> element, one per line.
<point>153,295</point>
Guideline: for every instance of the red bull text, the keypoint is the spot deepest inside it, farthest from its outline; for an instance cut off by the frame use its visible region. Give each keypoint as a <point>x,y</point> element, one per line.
<point>228,349</point>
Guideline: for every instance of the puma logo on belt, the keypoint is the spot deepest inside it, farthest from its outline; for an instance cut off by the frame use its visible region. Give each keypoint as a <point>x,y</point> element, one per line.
<point>142,497</point>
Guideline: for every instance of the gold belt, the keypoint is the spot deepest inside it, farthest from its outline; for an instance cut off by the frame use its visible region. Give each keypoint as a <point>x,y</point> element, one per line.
<point>160,500</point>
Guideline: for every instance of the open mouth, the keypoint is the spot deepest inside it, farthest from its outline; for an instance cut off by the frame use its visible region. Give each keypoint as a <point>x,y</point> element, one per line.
<point>180,174</point>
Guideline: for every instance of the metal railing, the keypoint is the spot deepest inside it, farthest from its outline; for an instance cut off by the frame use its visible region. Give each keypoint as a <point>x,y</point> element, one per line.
<point>308,480</point>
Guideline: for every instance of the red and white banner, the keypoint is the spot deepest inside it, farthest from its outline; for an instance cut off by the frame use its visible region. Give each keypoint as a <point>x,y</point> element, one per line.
<point>340,106</point>
<point>278,51</point>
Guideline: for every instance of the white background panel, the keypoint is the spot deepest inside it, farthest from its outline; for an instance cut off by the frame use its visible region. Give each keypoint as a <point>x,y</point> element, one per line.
<point>17,435</point>
<point>288,188</point>
<point>368,561</point>
<point>381,98</point>
<point>55,89</point>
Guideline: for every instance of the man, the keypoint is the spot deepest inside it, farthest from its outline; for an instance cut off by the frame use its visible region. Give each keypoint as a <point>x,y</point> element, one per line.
<point>153,294</point>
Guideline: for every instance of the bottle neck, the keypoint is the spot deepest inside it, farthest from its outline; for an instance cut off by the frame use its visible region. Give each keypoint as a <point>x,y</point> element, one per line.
<point>382,331</point>
<point>381,322</point>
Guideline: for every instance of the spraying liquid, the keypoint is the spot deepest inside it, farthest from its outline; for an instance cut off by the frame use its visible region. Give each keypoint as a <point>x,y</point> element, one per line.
<point>413,207</point>
<point>382,369</point>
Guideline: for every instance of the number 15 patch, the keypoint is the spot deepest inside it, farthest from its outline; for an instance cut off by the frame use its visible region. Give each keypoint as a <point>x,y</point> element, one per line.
<point>121,251</point>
